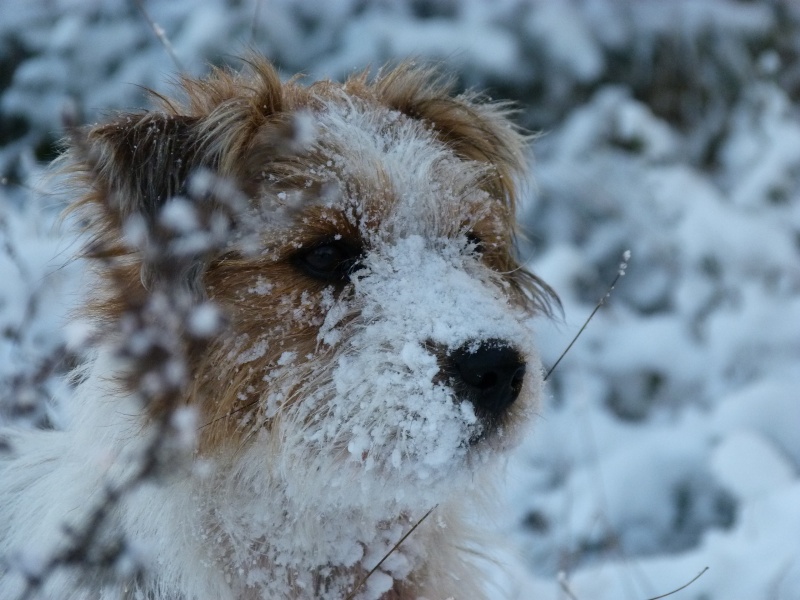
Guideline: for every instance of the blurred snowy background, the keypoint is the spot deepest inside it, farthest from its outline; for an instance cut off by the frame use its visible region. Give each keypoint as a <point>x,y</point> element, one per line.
<point>670,437</point>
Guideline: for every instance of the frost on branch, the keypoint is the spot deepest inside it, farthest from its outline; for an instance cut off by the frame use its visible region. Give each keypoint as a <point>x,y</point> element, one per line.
<point>32,360</point>
<point>153,335</point>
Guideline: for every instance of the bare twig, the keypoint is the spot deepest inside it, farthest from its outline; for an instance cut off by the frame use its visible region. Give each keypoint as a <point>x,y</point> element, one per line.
<point>564,585</point>
<point>161,35</point>
<point>683,587</point>
<point>256,17</point>
<point>604,509</point>
<point>82,542</point>
<point>623,266</point>
<point>391,551</point>
<point>22,390</point>
<point>158,319</point>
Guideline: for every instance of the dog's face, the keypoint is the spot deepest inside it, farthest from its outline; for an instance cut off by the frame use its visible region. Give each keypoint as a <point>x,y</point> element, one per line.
<point>378,323</point>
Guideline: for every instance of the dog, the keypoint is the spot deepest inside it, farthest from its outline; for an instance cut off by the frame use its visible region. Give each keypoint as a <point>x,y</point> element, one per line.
<point>342,358</point>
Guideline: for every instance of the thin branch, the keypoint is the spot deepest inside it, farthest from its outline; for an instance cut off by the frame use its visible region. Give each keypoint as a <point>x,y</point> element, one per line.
<point>683,587</point>
<point>626,256</point>
<point>256,17</point>
<point>602,516</point>
<point>81,541</point>
<point>161,35</point>
<point>159,317</point>
<point>361,583</point>
<point>564,584</point>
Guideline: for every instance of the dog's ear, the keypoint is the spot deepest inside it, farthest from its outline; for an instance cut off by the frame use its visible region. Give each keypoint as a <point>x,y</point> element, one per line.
<point>134,166</point>
<point>226,125</point>
<point>205,150</point>
<point>139,161</point>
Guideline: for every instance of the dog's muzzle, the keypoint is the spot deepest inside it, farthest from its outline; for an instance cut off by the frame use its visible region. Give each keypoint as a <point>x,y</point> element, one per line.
<point>489,374</point>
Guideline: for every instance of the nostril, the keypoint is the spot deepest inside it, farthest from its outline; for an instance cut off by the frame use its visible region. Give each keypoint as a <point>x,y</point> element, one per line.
<point>489,380</point>
<point>481,380</point>
<point>489,374</point>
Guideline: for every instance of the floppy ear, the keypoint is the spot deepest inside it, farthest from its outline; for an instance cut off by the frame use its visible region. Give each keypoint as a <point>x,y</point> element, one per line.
<point>133,166</point>
<point>138,162</point>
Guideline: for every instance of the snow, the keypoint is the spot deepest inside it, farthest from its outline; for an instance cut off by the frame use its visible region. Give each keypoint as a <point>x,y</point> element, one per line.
<point>205,320</point>
<point>184,420</point>
<point>749,465</point>
<point>670,437</point>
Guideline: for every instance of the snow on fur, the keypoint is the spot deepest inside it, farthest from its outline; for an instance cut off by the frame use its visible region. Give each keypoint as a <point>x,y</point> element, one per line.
<point>668,439</point>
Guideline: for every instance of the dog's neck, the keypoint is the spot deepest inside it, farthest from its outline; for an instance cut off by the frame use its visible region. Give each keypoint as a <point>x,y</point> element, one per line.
<point>275,544</point>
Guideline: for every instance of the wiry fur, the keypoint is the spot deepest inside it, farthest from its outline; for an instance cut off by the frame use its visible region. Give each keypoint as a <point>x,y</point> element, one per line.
<point>329,422</point>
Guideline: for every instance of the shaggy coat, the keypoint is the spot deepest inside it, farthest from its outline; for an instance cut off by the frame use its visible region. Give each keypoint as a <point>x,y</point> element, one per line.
<point>308,330</point>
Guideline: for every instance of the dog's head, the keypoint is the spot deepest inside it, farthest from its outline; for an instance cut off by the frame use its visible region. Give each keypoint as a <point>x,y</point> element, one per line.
<point>377,320</point>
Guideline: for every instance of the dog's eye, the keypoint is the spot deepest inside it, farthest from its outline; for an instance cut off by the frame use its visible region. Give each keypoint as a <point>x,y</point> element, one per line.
<point>333,261</point>
<point>475,244</point>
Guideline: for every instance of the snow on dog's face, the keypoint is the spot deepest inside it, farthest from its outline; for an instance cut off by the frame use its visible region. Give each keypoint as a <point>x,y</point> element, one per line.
<point>377,323</point>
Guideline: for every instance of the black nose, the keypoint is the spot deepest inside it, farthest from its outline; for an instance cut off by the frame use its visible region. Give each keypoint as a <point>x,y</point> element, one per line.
<point>489,374</point>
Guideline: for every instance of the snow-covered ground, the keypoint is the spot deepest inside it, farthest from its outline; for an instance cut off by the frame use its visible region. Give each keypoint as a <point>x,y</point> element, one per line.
<point>670,438</point>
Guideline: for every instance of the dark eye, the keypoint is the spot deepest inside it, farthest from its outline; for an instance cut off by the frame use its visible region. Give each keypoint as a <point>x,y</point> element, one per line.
<point>475,244</point>
<point>331,261</point>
